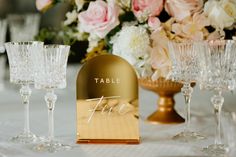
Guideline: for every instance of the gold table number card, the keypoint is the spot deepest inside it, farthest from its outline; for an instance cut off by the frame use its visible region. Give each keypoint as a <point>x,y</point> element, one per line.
<point>107,102</point>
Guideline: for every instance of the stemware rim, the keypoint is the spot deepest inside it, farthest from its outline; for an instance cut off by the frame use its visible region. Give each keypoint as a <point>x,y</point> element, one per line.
<point>56,46</point>
<point>23,42</point>
<point>182,43</point>
<point>202,41</point>
<point>217,40</point>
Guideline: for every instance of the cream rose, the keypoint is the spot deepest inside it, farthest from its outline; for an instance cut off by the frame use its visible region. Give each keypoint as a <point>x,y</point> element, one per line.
<point>142,9</point>
<point>100,18</point>
<point>43,5</point>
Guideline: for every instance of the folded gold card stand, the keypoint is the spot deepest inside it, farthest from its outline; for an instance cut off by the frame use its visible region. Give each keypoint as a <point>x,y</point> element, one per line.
<point>107,102</point>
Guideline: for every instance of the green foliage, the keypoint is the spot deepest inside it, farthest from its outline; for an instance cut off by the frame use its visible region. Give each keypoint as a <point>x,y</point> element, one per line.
<point>67,35</point>
<point>47,35</point>
<point>128,16</point>
<point>109,36</point>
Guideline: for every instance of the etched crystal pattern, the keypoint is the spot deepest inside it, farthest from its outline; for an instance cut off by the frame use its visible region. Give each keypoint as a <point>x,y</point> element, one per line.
<point>51,67</point>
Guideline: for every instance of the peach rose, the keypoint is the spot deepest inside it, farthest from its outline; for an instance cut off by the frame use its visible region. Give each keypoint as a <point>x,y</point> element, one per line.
<point>181,9</point>
<point>144,8</point>
<point>192,28</point>
<point>100,18</point>
<point>43,5</point>
<point>160,60</point>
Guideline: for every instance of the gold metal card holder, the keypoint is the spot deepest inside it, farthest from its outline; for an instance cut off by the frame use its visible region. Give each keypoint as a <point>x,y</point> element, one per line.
<point>107,102</point>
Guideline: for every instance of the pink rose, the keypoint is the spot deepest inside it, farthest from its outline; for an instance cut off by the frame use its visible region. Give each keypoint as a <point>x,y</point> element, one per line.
<point>100,18</point>
<point>43,5</point>
<point>145,8</point>
<point>154,23</point>
<point>181,9</point>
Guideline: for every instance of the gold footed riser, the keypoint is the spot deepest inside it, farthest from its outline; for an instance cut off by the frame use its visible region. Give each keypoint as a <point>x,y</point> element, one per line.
<point>166,89</point>
<point>167,117</point>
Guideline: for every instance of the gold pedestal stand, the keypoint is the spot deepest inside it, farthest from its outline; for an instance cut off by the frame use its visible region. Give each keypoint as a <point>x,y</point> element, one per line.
<point>166,90</point>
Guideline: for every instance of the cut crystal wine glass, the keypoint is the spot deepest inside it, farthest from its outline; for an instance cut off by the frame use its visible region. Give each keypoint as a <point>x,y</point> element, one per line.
<point>217,64</point>
<point>185,69</point>
<point>51,74</point>
<point>22,73</point>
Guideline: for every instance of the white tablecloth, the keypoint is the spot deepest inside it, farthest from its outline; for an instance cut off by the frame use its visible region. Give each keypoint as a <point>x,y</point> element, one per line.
<point>155,139</point>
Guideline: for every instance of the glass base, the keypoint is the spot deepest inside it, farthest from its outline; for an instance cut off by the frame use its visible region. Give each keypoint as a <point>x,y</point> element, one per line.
<point>188,136</point>
<point>25,138</point>
<point>52,146</point>
<point>215,150</point>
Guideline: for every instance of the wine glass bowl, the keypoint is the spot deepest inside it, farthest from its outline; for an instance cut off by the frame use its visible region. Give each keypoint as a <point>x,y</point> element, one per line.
<point>51,68</point>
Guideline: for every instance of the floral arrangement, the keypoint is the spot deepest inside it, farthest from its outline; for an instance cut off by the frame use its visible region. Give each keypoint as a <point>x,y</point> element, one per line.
<point>139,30</point>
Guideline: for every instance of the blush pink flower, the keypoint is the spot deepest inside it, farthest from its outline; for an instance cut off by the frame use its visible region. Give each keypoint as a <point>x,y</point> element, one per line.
<point>160,60</point>
<point>100,18</point>
<point>144,8</point>
<point>180,9</point>
<point>154,23</point>
<point>43,5</point>
<point>192,28</point>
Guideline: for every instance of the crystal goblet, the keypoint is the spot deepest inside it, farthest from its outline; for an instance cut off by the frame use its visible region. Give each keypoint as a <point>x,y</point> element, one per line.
<point>22,72</point>
<point>50,74</point>
<point>217,64</point>
<point>185,69</point>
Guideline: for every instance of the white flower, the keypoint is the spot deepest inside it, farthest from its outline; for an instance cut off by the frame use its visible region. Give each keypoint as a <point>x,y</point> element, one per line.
<point>132,43</point>
<point>93,42</point>
<point>70,17</point>
<point>79,4</point>
<point>80,36</point>
<point>222,14</point>
<point>130,23</point>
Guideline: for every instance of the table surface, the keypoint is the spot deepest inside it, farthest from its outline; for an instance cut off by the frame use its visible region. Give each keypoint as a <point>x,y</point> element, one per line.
<point>155,139</point>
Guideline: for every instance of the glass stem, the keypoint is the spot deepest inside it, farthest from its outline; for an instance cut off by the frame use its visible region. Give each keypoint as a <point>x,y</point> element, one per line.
<point>187,92</point>
<point>25,93</point>
<point>50,99</point>
<point>217,100</point>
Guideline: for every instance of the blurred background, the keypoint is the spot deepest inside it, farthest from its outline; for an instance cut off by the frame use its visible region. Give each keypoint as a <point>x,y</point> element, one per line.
<point>21,21</point>
<point>51,18</point>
